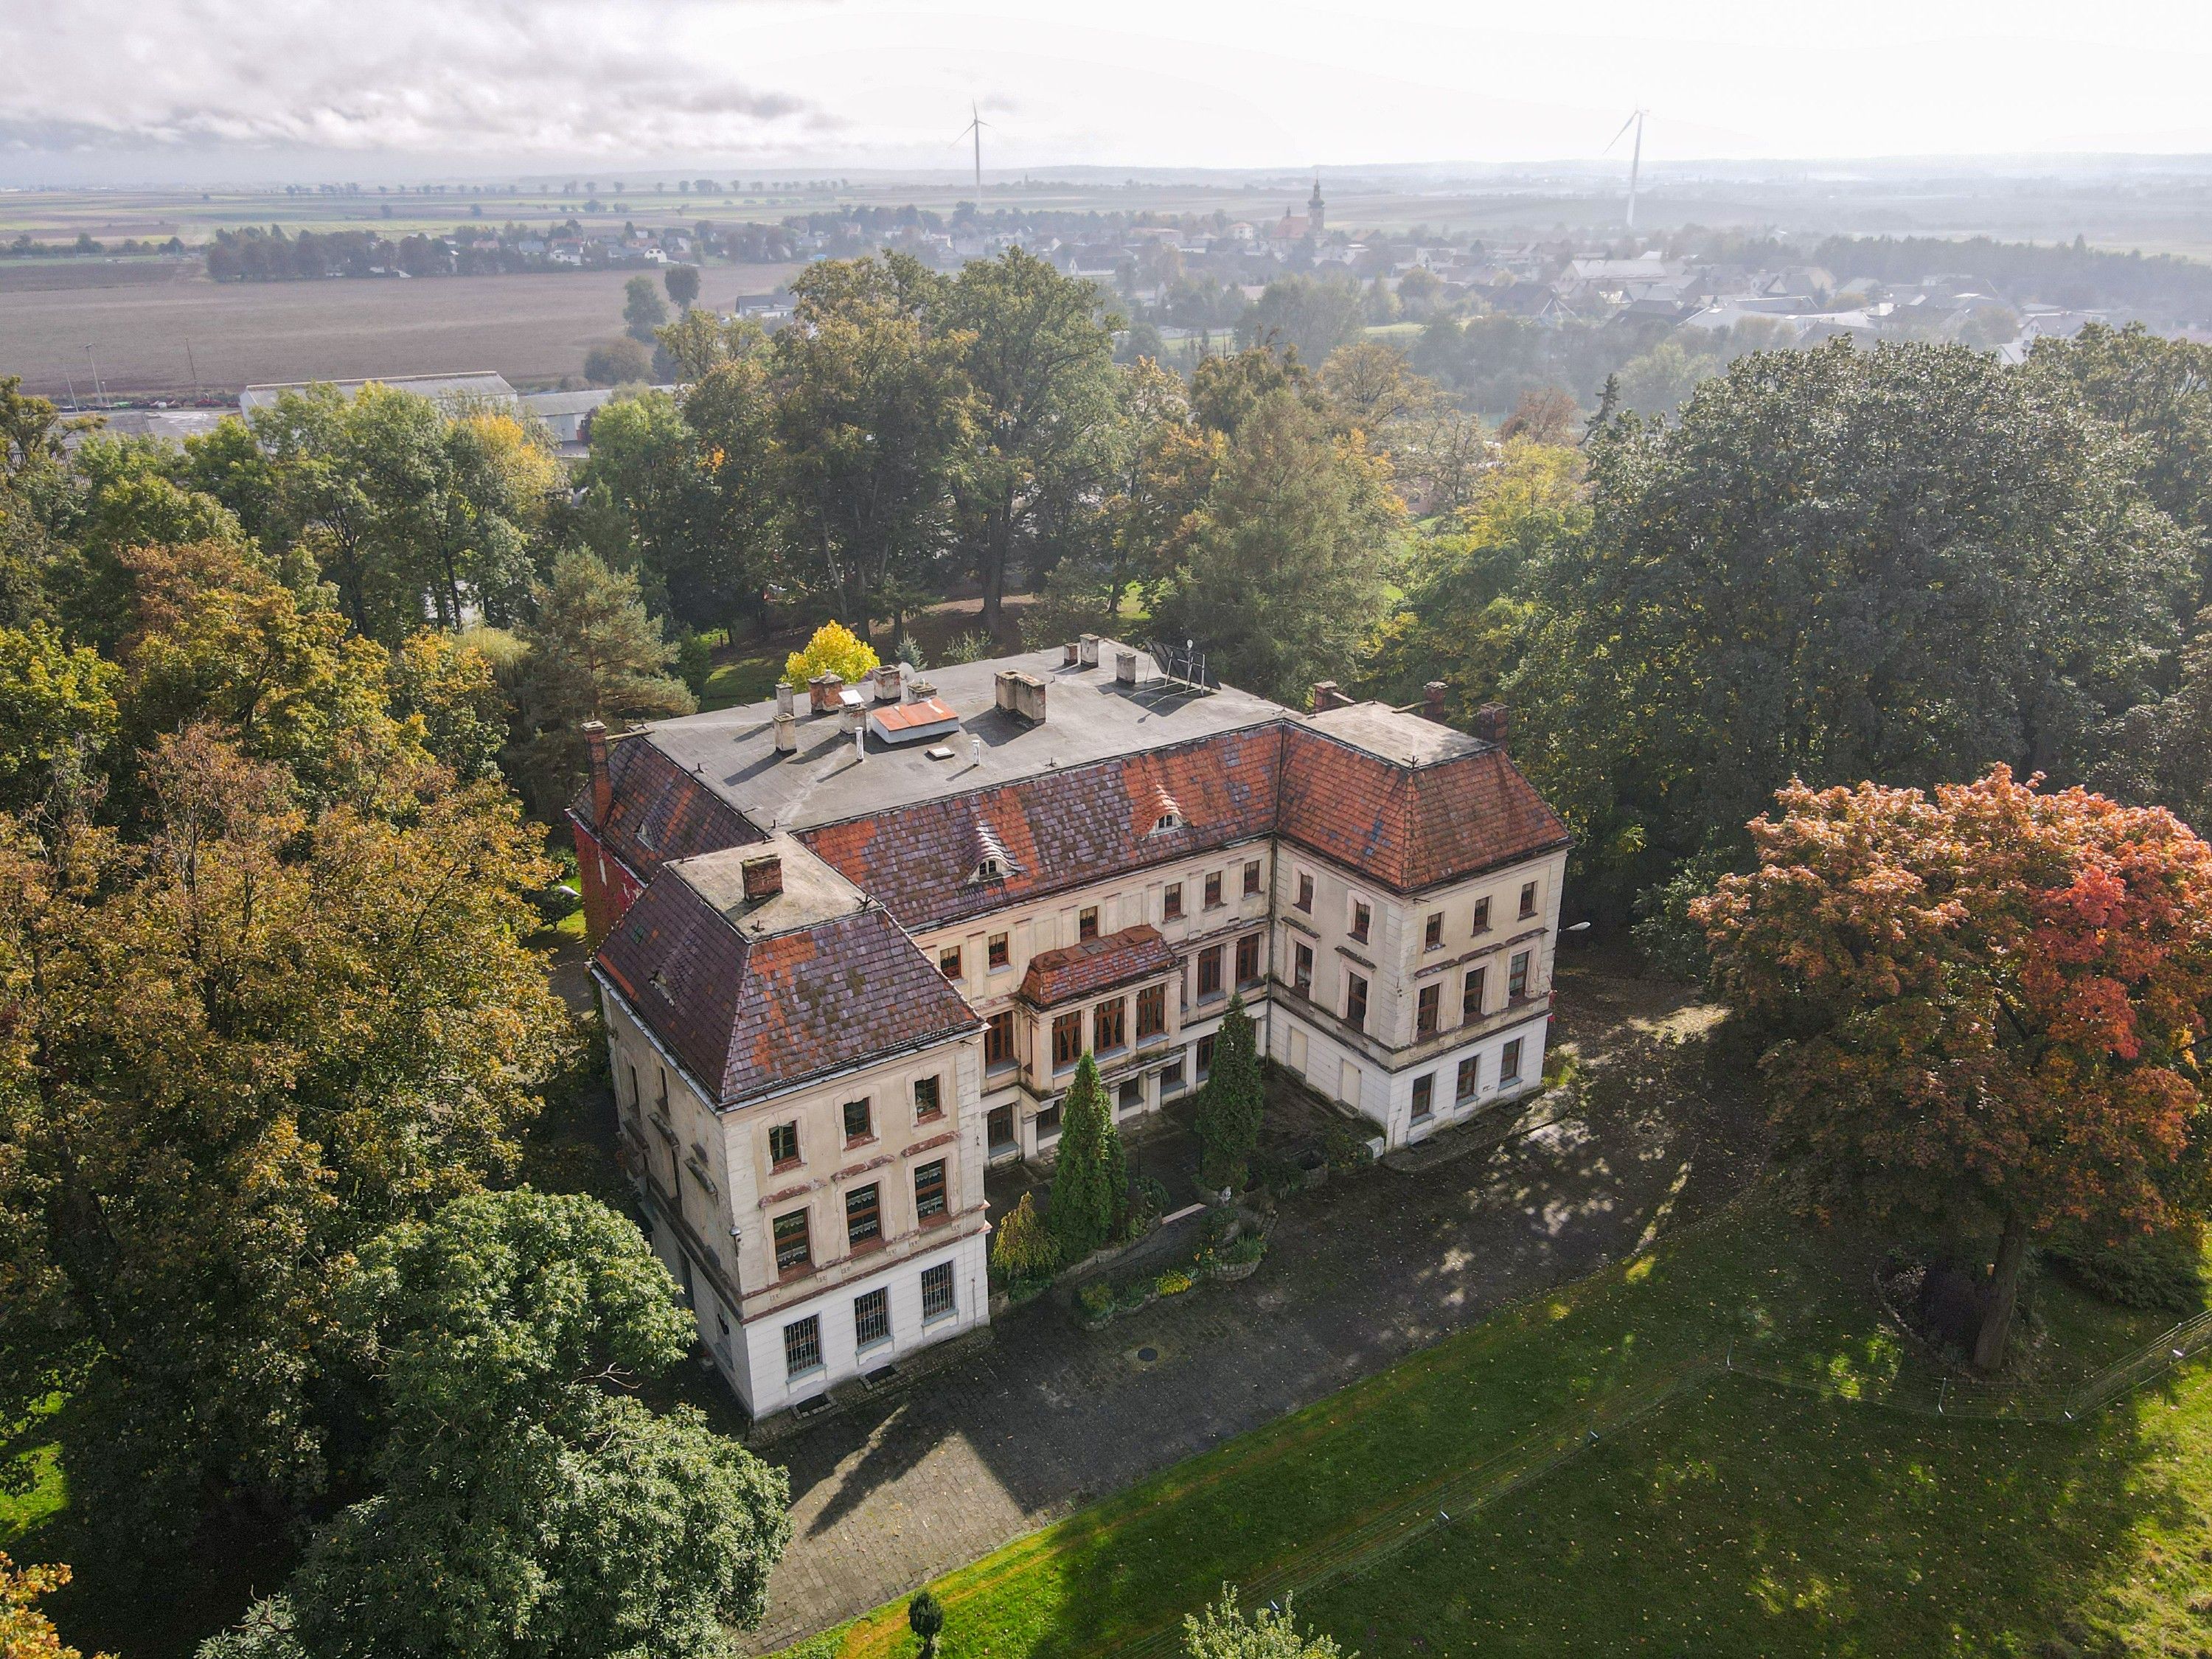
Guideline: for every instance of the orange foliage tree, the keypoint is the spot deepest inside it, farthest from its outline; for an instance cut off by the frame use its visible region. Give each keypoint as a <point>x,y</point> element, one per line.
<point>1986,1008</point>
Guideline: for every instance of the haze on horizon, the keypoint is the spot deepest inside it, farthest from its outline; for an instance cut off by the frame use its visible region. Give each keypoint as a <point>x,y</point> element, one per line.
<point>112,91</point>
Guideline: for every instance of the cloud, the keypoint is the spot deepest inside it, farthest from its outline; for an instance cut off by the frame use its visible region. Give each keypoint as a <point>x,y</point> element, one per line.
<point>450,77</point>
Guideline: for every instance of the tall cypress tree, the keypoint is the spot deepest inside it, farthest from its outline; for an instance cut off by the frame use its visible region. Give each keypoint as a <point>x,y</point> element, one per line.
<point>1231,1106</point>
<point>1091,1172</point>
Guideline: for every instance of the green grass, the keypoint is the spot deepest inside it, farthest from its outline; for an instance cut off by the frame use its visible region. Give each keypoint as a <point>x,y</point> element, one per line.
<point>1741,1519</point>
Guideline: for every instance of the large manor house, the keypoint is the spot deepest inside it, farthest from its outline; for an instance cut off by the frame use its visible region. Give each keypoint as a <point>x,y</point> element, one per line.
<point>852,942</point>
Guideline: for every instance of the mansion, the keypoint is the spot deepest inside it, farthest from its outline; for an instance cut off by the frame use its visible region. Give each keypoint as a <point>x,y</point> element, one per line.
<point>852,943</point>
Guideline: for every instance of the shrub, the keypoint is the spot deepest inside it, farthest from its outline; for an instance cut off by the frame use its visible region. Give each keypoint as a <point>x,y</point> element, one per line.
<point>1250,1248</point>
<point>617,362</point>
<point>1226,1633</point>
<point>834,649</point>
<point>1174,1282</point>
<point>1347,1149</point>
<point>925,1617</point>
<point>2164,1272</point>
<point>1148,1202</point>
<point>1096,1299</point>
<point>694,662</point>
<point>1022,1251</point>
<point>972,646</point>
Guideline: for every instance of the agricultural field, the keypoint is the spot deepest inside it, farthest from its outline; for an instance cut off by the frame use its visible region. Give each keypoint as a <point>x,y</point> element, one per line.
<point>533,328</point>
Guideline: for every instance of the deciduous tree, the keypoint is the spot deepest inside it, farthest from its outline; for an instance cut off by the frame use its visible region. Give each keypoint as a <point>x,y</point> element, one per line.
<point>1985,1007</point>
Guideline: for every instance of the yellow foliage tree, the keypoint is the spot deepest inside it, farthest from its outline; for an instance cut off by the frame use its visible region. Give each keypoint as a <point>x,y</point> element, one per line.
<point>834,649</point>
<point>25,1633</point>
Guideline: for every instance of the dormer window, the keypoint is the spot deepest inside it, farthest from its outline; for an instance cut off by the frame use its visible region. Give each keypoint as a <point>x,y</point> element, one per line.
<point>1165,822</point>
<point>993,862</point>
<point>992,868</point>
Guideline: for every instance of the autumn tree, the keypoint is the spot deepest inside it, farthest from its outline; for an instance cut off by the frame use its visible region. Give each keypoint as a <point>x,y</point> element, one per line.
<point>1225,1631</point>
<point>1090,1176</point>
<point>1232,1103</point>
<point>24,1631</point>
<point>56,708</point>
<point>1983,1008</point>
<point>235,1052</point>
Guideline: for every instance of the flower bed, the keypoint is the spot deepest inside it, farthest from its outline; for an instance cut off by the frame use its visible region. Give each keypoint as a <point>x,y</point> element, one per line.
<point>1231,1248</point>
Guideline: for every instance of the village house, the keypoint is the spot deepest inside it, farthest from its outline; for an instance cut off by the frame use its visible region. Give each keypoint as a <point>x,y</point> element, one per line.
<point>852,942</point>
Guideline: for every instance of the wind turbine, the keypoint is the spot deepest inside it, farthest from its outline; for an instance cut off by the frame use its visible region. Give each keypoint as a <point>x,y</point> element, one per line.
<point>975,126</point>
<point>1636,157</point>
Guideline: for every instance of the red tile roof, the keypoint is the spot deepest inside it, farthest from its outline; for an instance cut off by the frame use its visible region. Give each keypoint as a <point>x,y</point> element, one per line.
<point>747,1017</point>
<point>1411,827</point>
<point>1095,965</point>
<point>1058,829</point>
<point>660,811</point>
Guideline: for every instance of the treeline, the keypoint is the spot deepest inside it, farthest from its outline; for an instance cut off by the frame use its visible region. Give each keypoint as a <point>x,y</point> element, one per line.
<point>2162,285</point>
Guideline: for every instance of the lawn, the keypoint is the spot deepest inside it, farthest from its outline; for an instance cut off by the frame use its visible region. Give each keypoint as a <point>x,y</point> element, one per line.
<point>1740,1518</point>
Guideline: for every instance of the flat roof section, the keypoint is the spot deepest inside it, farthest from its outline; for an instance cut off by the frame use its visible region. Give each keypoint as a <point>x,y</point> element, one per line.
<point>812,892</point>
<point>1395,736</point>
<point>1089,716</point>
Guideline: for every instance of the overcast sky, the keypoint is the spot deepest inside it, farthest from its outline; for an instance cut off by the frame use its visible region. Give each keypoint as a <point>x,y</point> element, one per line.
<point>195,89</point>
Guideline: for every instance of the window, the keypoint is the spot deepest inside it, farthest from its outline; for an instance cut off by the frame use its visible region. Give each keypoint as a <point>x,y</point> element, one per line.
<point>1151,1012</point>
<point>1047,1123</point>
<point>864,1215</point>
<point>1433,935</point>
<point>1516,976</point>
<point>1361,918</point>
<point>1171,904</point>
<point>1248,959</point>
<point>859,1122</point>
<point>1302,968</point>
<point>782,1145</point>
<point>1470,995</point>
<point>802,1346</point>
<point>948,962</point>
<point>1108,1027</point>
<point>1066,1041</point>
<point>1171,1079</point>
<point>1304,900</point>
<point>1424,1010</point>
<point>1251,877</point>
<point>1482,915</point>
<point>1425,1097</point>
<point>1133,1095</point>
<point>999,1041</point>
<point>937,1296</point>
<point>1509,1062</point>
<point>929,1190</point>
<point>793,1252</point>
<point>1205,1057</point>
<point>1470,1078</point>
<point>928,1102</point>
<point>1213,890</point>
<point>1086,922</point>
<point>1528,898</point>
<point>995,953</point>
<point>1209,972</point>
<point>1355,1002</point>
<point>872,1319</point>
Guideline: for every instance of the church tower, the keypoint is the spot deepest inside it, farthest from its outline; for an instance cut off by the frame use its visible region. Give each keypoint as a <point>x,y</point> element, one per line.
<point>1315,212</point>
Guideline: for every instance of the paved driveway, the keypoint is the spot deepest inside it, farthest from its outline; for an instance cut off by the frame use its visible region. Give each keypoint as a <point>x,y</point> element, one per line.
<point>1358,1275</point>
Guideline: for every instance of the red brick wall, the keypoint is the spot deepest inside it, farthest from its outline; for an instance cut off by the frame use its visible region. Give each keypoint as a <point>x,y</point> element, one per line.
<point>609,890</point>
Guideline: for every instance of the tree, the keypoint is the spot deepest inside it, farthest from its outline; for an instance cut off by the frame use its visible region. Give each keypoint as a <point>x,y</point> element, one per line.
<point>1225,1632</point>
<point>594,655</point>
<point>1040,358</point>
<point>235,1052</point>
<point>1661,381</point>
<point>56,708</point>
<point>872,418</point>
<point>618,363</point>
<point>1311,315</point>
<point>925,1617</point>
<point>444,690</point>
<point>1283,576</point>
<point>1089,1173</point>
<point>1021,1249</point>
<point>1983,1007</point>
<point>683,285</point>
<point>1545,414</point>
<point>526,1508</point>
<point>122,498</point>
<point>1233,1103</point>
<point>1373,389</point>
<point>26,1632</point>
<point>1894,564</point>
<point>833,649</point>
<point>643,309</point>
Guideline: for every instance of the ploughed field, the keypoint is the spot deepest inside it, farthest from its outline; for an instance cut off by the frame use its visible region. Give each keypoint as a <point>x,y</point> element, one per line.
<point>532,328</point>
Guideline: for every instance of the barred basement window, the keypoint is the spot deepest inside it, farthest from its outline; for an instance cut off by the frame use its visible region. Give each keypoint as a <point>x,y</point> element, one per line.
<point>937,1293</point>
<point>802,1346</point>
<point>929,1189</point>
<point>872,1319</point>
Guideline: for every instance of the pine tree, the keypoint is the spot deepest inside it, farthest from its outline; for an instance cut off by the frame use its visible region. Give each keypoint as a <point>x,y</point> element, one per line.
<point>1092,1171</point>
<point>1231,1106</point>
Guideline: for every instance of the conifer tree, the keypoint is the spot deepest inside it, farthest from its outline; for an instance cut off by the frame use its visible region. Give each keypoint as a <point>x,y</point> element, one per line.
<point>1088,1179</point>
<point>1230,1105</point>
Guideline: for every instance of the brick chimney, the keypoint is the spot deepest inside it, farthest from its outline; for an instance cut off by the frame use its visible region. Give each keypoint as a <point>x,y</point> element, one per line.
<point>1432,702</point>
<point>764,878</point>
<point>602,783</point>
<point>1491,722</point>
<point>1021,694</point>
<point>1327,695</point>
